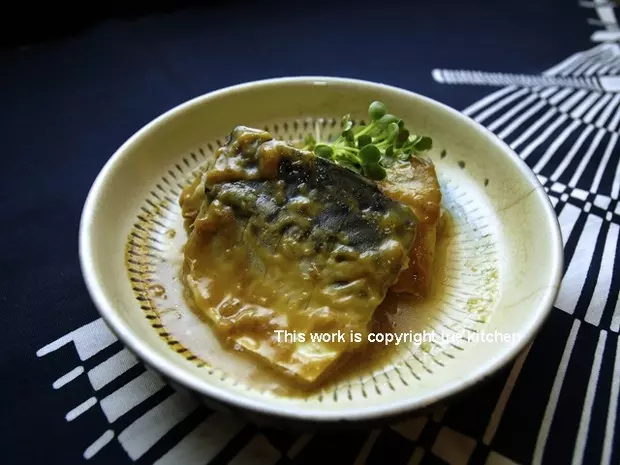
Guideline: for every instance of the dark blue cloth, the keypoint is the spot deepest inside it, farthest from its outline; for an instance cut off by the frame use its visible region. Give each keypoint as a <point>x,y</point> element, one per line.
<point>69,103</point>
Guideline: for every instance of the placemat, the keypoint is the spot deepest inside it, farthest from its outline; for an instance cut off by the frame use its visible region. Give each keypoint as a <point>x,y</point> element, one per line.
<point>72,394</point>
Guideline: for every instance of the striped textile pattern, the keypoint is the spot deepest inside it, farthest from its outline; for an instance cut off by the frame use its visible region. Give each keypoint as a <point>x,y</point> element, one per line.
<point>558,402</point>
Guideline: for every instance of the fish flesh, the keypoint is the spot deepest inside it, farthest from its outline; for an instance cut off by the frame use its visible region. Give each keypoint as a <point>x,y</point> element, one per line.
<point>285,248</point>
<point>415,184</point>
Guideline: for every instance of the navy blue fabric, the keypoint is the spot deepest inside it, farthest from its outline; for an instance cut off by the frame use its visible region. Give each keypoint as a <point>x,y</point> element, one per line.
<point>69,103</point>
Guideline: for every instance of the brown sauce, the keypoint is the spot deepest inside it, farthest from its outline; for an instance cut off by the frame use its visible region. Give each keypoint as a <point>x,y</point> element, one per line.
<point>398,313</point>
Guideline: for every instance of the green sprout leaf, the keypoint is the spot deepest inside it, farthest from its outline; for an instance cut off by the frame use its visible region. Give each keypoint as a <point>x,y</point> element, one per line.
<point>376,110</point>
<point>363,140</point>
<point>386,119</point>
<point>402,138</point>
<point>392,131</point>
<point>413,139</point>
<point>369,154</point>
<point>425,143</point>
<point>349,136</point>
<point>324,151</point>
<point>375,172</point>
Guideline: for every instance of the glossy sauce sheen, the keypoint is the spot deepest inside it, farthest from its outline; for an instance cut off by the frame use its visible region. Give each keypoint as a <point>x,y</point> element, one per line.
<point>282,240</point>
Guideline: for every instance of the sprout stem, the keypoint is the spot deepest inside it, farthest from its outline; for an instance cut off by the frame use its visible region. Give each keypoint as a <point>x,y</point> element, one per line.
<point>387,141</point>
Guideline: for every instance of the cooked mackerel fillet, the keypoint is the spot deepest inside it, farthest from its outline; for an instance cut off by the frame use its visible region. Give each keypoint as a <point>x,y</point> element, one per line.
<point>281,240</point>
<point>415,184</point>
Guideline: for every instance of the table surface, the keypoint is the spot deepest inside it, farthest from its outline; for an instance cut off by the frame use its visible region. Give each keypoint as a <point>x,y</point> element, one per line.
<point>72,394</point>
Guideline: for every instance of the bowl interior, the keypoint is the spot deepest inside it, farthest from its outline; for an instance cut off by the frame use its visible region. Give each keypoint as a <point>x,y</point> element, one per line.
<point>497,279</point>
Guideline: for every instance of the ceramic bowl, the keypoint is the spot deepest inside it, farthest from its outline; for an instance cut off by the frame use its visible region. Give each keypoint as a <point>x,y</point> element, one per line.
<point>499,280</point>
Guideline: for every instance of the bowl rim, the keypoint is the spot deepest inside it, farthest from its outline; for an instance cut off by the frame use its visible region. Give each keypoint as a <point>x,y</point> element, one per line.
<point>195,383</point>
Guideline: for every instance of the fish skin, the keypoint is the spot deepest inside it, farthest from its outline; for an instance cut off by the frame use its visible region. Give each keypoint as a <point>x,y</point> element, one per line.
<point>347,199</point>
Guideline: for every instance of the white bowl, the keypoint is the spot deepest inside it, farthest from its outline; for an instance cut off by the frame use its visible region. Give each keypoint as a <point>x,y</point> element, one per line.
<point>504,253</point>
